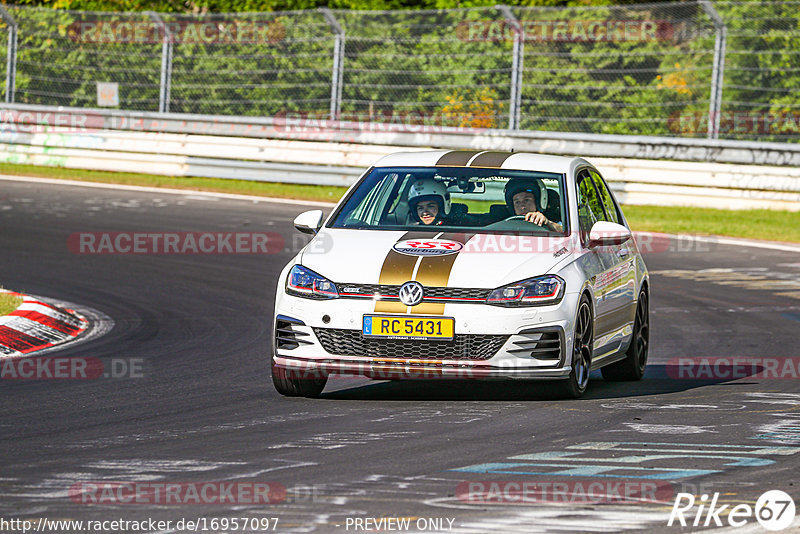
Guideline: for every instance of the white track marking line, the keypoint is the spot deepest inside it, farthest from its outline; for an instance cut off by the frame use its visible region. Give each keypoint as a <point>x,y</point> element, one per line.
<point>183,192</point>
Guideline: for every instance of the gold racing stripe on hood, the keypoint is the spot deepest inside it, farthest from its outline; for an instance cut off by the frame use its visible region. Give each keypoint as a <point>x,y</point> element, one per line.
<point>432,271</point>
<point>457,158</point>
<point>435,271</point>
<point>398,269</point>
<point>491,159</point>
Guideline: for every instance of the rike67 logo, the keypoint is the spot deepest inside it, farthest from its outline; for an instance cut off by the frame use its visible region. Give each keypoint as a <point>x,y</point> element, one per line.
<point>774,510</point>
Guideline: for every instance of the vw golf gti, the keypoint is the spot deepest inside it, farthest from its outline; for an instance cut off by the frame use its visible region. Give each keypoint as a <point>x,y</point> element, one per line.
<point>465,265</point>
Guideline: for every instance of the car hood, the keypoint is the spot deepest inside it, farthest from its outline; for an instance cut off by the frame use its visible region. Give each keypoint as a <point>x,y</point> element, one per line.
<point>484,260</point>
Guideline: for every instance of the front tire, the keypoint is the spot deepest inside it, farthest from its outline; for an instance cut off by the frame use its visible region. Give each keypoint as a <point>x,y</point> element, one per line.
<point>632,367</point>
<point>582,343</point>
<point>296,383</point>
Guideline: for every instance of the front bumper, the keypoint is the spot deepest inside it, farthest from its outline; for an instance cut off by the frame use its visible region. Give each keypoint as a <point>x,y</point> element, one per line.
<point>401,369</point>
<point>324,337</point>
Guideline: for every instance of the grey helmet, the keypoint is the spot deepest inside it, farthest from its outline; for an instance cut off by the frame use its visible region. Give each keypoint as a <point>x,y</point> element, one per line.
<point>534,185</point>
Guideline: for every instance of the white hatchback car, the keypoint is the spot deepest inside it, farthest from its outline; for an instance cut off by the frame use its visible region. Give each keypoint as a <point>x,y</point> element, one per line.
<point>465,265</point>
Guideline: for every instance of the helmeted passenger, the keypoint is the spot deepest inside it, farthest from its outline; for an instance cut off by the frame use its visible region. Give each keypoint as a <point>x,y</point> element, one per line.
<point>429,202</point>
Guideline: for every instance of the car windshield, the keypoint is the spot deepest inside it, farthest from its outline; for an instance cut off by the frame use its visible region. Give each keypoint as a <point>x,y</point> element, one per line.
<point>463,198</point>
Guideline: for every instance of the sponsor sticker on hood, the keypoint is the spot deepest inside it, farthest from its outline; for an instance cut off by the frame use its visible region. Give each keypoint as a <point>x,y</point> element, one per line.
<point>427,247</point>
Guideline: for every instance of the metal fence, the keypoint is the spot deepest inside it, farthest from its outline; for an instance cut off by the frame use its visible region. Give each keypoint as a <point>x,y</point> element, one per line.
<point>727,70</point>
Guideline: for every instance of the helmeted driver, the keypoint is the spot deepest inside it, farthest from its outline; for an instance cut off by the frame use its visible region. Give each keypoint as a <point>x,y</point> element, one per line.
<point>526,197</point>
<point>429,202</point>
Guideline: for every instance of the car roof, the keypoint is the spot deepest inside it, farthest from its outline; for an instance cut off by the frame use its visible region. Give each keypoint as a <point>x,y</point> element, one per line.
<point>526,161</point>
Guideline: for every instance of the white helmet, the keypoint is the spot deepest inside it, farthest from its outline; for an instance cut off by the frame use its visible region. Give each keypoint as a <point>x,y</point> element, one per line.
<point>429,189</point>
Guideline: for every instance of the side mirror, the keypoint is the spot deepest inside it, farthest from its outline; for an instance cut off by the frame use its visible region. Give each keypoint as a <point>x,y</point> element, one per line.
<point>605,233</point>
<point>309,222</point>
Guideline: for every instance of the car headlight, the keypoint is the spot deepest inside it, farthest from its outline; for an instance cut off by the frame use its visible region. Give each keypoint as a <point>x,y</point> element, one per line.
<point>539,291</point>
<point>306,283</point>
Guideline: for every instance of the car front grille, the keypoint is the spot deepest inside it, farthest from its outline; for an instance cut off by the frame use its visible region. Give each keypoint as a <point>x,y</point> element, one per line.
<point>475,347</point>
<point>390,292</point>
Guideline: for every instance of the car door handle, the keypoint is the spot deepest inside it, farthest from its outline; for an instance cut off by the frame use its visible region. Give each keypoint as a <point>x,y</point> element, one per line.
<point>624,253</point>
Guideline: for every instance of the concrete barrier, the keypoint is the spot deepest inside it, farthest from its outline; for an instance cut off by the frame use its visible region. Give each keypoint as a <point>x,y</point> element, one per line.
<point>721,174</point>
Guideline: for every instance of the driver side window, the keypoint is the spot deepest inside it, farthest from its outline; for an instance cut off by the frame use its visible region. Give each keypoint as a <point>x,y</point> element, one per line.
<point>608,202</point>
<point>590,206</point>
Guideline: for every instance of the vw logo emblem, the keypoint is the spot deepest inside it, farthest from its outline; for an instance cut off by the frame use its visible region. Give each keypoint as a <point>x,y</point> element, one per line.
<point>411,293</point>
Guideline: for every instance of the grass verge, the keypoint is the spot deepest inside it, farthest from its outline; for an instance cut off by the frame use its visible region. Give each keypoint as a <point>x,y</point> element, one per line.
<point>239,187</point>
<point>754,224</point>
<point>8,303</point>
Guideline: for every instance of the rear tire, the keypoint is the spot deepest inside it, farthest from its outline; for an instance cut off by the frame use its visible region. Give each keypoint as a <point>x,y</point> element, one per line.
<point>633,366</point>
<point>583,340</point>
<point>296,383</point>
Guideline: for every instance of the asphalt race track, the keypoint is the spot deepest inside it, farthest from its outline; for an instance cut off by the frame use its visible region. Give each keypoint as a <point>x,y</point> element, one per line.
<point>200,407</point>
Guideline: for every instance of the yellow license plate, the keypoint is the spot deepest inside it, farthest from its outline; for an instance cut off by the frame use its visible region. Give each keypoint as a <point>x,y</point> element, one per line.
<point>404,327</point>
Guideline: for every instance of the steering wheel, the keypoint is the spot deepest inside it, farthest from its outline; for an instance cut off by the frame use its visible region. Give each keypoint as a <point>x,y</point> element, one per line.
<point>522,217</point>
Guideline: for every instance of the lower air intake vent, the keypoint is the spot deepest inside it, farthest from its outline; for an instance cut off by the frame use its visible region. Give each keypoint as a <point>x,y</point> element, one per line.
<point>539,344</point>
<point>286,336</point>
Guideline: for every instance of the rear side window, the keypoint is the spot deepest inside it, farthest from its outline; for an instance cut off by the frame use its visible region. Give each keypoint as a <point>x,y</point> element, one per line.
<point>606,197</point>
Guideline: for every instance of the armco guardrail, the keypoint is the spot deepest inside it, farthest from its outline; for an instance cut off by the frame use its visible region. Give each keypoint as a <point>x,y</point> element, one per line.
<point>405,134</point>
<point>726,174</point>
